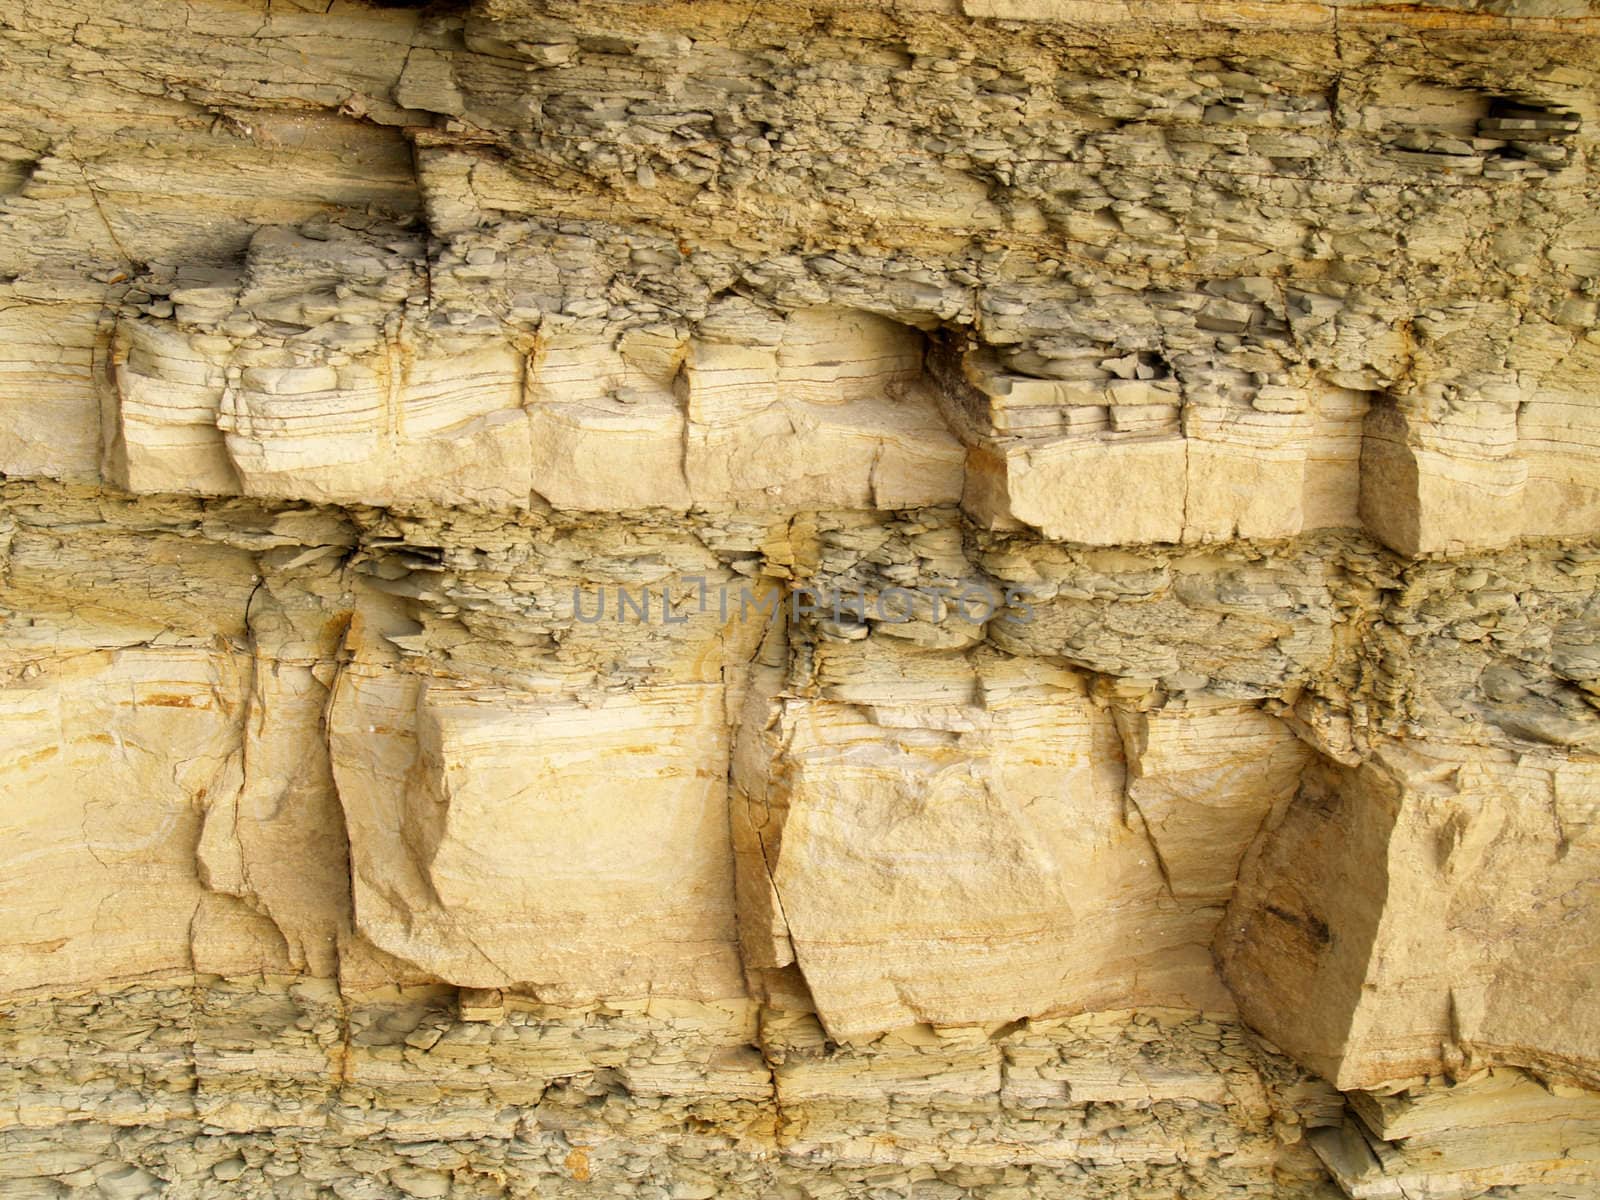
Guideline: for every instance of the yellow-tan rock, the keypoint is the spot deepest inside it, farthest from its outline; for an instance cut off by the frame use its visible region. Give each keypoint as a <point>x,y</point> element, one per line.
<point>930,599</point>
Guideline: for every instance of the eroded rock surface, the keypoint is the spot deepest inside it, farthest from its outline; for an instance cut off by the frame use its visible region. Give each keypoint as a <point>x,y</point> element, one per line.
<point>918,598</point>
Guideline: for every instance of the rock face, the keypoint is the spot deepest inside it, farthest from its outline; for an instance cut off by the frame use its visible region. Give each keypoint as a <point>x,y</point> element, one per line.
<point>911,598</point>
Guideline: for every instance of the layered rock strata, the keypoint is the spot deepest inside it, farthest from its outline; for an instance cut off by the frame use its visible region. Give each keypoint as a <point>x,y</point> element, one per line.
<point>919,598</point>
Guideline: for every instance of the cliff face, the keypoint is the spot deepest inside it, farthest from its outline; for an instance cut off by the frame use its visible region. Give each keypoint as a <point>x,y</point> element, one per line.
<point>898,599</point>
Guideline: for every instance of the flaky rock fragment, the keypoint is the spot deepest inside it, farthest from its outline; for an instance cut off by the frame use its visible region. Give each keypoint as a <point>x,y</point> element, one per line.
<point>1492,1129</point>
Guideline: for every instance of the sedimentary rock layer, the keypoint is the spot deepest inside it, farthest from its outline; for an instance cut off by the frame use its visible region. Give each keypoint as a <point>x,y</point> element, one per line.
<point>905,598</point>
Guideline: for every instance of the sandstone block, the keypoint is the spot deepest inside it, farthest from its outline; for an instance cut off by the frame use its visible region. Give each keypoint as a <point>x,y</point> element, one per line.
<point>1421,500</point>
<point>98,795</point>
<point>1388,926</point>
<point>482,835</point>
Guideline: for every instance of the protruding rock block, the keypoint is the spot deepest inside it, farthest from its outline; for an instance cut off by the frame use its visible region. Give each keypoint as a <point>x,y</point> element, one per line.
<point>109,760</point>
<point>1423,492</point>
<point>170,383</point>
<point>436,419</point>
<point>607,424</point>
<point>1204,780</point>
<point>420,420</point>
<point>1045,453</point>
<point>609,454</point>
<point>1100,490</point>
<point>276,842</point>
<point>1333,458</point>
<point>1473,1135</point>
<point>985,852</point>
<point>49,412</point>
<point>827,409</point>
<point>299,378</point>
<point>1397,918</point>
<point>1246,473</point>
<point>1559,437</point>
<point>504,840</point>
<point>1121,456</point>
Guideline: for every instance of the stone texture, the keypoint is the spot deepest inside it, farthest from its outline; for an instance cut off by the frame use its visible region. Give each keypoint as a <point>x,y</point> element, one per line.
<point>911,598</point>
<point>490,846</point>
<point>1390,900</point>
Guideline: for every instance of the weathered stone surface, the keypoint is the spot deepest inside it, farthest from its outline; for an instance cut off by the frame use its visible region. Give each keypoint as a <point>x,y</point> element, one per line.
<point>914,598</point>
<point>1002,844</point>
<point>1491,1129</point>
<point>103,802</point>
<point>491,846</point>
<point>1395,921</point>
